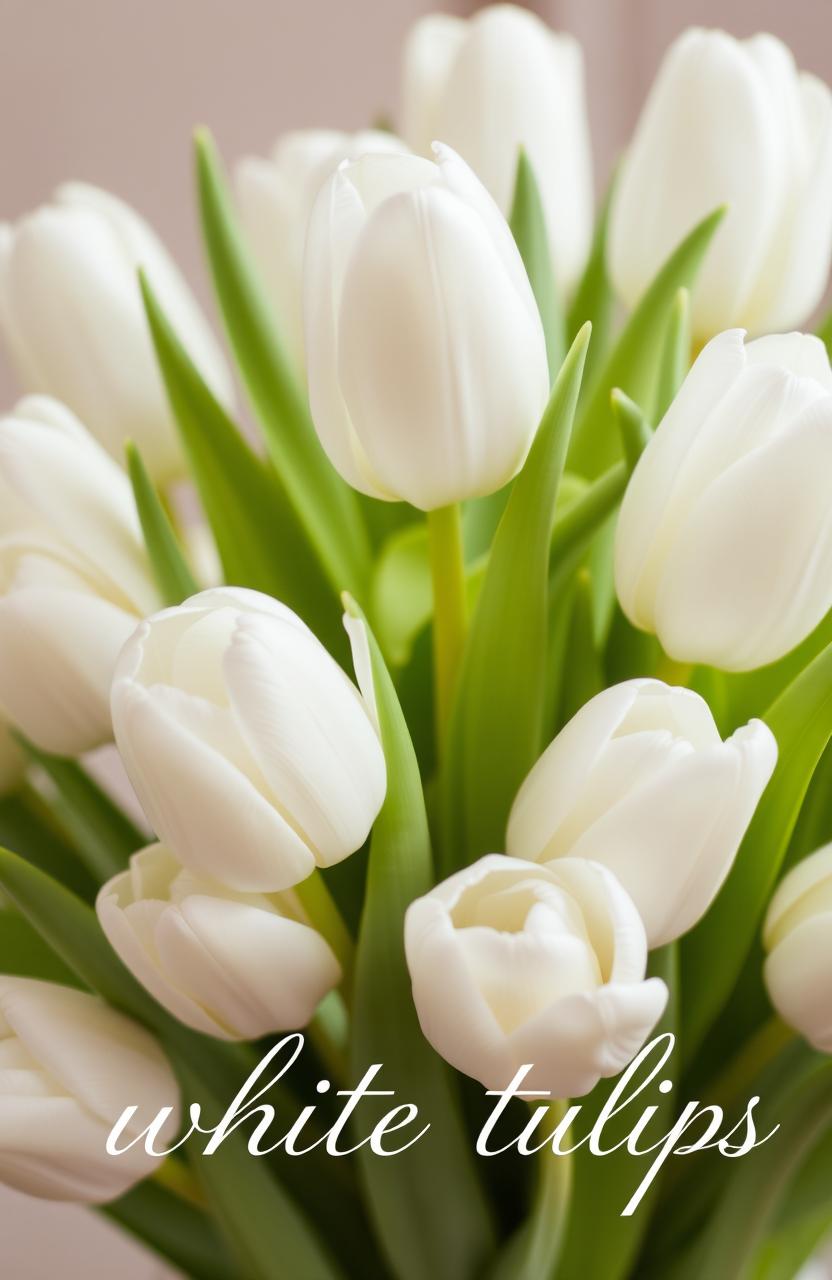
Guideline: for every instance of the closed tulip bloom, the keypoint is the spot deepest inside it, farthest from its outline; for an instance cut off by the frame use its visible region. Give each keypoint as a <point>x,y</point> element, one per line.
<point>640,781</point>
<point>253,755</point>
<point>798,971</point>
<point>492,83</point>
<point>232,965</point>
<point>72,318</point>
<point>275,197</point>
<point>425,353</point>
<point>724,542</point>
<point>69,1066</point>
<point>730,122</point>
<point>514,963</point>
<point>74,577</point>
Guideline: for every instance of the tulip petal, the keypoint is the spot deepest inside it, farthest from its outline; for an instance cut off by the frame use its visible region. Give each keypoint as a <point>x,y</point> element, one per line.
<point>798,975</point>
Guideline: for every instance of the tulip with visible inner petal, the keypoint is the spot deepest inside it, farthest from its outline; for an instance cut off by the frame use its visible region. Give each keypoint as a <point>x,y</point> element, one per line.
<point>253,755</point>
<point>798,970</point>
<point>724,540</point>
<point>492,83</point>
<point>236,966</point>
<point>730,122</point>
<point>275,197</point>
<point>74,577</point>
<point>515,963</point>
<point>72,317</point>
<point>640,781</point>
<point>69,1066</point>
<point>425,353</point>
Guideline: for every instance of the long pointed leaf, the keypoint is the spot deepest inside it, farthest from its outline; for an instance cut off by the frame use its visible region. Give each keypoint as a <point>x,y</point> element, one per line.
<point>713,954</point>
<point>634,361</point>
<point>528,225</point>
<point>326,507</point>
<point>429,1210</point>
<point>31,829</point>
<point>594,300</point>
<point>179,1232</point>
<point>497,722</point>
<point>170,568</point>
<point>257,534</point>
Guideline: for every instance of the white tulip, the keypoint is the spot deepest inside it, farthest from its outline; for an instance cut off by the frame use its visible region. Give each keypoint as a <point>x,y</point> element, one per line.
<point>275,197</point>
<point>425,353</point>
<point>798,970</point>
<point>74,577</point>
<point>69,1066</point>
<point>724,542</point>
<point>515,963</point>
<point>72,317</point>
<point>641,781</point>
<point>492,83</point>
<point>236,966</point>
<point>253,755</point>
<point>730,122</point>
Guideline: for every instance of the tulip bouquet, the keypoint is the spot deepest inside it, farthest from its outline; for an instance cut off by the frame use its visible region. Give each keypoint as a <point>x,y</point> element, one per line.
<point>474,916</point>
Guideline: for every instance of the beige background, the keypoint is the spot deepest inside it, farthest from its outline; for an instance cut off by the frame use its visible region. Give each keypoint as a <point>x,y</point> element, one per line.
<point>109,90</point>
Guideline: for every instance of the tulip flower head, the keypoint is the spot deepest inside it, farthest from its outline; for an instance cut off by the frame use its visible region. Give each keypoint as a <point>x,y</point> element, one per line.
<point>493,83</point>
<point>69,1066</point>
<point>730,122</point>
<point>74,576</point>
<point>232,965</point>
<point>798,970</point>
<point>515,963</point>
<point>426,359</point>
<point>275,197</point>
<point>253,755</point>
<point>640,781</point>
<point>73,322</point>
<point>724,540</point>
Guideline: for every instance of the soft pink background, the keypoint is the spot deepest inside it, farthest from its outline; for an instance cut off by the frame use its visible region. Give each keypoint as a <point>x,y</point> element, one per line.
<point>110,90</point>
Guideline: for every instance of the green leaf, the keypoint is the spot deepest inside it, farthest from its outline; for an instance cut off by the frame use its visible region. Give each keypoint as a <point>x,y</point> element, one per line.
<point>176,1230</point>
<point>583,676</point>
<point>23,951</point>
<point>599,1242</point>
<point>30,828</point>
<point>497,721</point>
<point>326,507</point>
<point>713,953</point>
<point>103,835</point>
<point>528,225</point>
<point>170,568</point>
<point>401,599</point>
<point>675,358</point>
<point>634,362</point>
<point>594,301</point>
<point>427,1205</point>
<point>759,1184</point>
<point>266,1232</point>
<point>258,537</point>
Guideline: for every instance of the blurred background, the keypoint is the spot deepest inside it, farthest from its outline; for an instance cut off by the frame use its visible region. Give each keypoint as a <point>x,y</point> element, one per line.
<point>109,91</point>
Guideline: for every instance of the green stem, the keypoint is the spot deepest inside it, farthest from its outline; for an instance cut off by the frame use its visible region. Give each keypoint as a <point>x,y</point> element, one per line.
<point>673,672</point>
<point>533,1252</point>
<point>449,608</point>
<point>329,1033</point>
<point>175,1176</point>
<point>757,1052</point>
<point>319,909</point>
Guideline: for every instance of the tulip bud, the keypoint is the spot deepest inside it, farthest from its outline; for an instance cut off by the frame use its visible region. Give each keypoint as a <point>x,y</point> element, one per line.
<point>496,82</point>
<point>724,537</point>
<point>730,122</point>
<point>514,963</point>
<point>798,971</point>
<point>425,353</point>
<point>640,781</point>
<point>253,755</point>
<point>232,965</point>
<point>72,317</point>
<point>275,198</point>
<point>74,577</point>
<point>69,1066</point>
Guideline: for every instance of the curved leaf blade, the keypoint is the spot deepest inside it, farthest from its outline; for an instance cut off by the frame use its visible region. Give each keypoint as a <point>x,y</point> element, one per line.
<point>410,1196</point>
<point>528,225</point>
<point>634,361</point>
<point>325,506</point>
<point>170,568</point>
